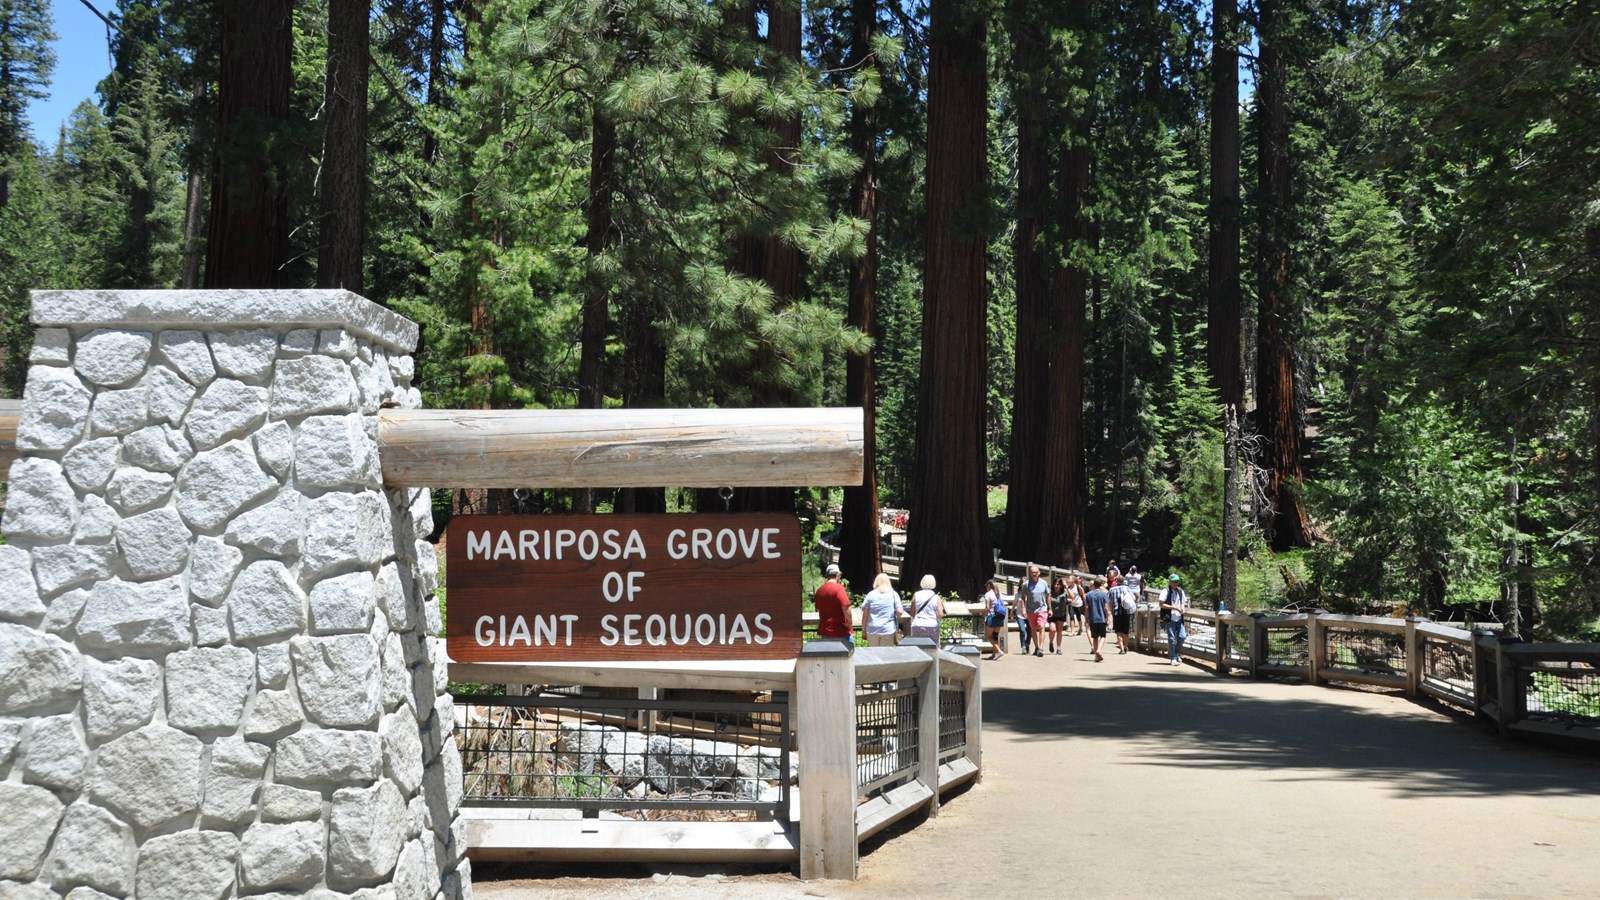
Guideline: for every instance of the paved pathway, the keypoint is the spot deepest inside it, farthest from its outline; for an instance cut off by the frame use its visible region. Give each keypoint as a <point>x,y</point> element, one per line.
<point>1132,778</point>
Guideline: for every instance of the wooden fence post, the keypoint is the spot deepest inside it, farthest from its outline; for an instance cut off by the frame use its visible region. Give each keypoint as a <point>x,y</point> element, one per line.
<point>1483,659</point>
<point>1258,644</point>
<point>1510,689</point>
<point>825,736</point>
<point>1318,657</point>
<point>927,720</point>
<point>1222,643</point>
<point>974,708</point>
<point>1414,656</point>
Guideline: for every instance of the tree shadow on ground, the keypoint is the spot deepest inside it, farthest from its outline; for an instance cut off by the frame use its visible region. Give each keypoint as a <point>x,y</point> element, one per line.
<point>1188,722</point>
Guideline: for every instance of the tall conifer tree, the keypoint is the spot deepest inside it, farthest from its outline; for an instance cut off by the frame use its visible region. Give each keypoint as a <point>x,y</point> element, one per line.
<point>949,527</point>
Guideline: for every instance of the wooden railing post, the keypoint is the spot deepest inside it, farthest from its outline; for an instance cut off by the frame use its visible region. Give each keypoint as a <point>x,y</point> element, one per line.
<point>974,707</point>
<point>1258,644</point>
<point>927,720</point>
<point>1482,687</point>
<point>825,736</point>
<point>1414,656</point>
<point>1318,645</point>
<point>1221,632</point>
<point>1510,688</point>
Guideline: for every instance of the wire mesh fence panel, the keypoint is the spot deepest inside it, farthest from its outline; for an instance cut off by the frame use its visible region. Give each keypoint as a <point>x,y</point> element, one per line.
<point>1447,669</point>
<point>1200,636</point>
<point>1561,691</point>
<point>1287,647</point>
<point>961,629</point>
<point>655,759</point>
<point>1373,652</point>
<point>886,735</point>
<point>952,719</point>
<point>1239,645</point>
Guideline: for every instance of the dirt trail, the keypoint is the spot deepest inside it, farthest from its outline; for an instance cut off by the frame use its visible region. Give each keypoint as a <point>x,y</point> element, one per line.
<point>1131,778</point>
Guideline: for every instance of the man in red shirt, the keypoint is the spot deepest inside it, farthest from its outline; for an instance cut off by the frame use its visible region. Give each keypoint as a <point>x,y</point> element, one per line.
<point>833,609</point>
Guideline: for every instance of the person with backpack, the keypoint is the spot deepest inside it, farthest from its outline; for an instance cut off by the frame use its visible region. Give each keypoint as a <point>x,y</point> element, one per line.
<point>1173,603</point>
<point>994,617</point>
<point>1124,600</point>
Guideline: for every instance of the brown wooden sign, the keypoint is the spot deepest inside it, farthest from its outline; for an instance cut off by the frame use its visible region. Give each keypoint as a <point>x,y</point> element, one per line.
<point>623,587</point>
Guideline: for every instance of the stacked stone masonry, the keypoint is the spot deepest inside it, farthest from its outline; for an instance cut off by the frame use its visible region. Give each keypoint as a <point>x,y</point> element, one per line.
<point>220,674</point>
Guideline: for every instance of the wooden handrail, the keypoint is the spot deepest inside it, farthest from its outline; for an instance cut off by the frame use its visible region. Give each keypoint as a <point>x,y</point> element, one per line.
<point>603,448</point>
<point>621,447</point>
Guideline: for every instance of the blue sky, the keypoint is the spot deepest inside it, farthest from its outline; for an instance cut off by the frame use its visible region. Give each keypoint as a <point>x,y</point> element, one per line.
<point>82,59</point>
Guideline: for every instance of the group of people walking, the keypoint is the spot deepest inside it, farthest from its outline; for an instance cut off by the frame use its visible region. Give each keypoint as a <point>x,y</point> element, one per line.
<point>1099,606</point>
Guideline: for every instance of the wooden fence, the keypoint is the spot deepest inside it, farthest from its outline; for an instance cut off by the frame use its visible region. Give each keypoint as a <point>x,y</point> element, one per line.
<point>1537,689</point>
<point>917,715</point>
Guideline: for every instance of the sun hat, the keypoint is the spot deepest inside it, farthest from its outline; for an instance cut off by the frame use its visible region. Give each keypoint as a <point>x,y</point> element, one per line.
<point>833,569</point>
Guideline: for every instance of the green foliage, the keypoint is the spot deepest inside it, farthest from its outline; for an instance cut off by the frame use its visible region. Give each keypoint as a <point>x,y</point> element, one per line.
<point>26,61</point>
<point>1416,522</point>
<point>27,260</point>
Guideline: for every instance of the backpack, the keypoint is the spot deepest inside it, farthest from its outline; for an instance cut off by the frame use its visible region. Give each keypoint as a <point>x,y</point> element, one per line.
<point>1178,594</point>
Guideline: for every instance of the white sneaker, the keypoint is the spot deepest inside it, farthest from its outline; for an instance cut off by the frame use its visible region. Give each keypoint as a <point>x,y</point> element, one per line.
<point>1174,662</point>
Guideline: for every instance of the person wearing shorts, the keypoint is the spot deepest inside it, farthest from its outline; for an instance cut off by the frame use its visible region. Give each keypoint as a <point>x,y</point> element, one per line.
<point>1035,608</point>
<point>1097,609</point>
<point>1124,600</point>
<point>1075,604</point>
<point>1058,613</point>
<point>994,617</point>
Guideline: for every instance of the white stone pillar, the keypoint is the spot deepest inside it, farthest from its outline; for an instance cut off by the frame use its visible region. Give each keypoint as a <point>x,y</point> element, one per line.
<point>219,670</point>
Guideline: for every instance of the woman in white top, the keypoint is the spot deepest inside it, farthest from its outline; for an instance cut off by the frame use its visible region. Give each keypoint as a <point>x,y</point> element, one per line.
<point>927,608</point>
<point>881,610</point>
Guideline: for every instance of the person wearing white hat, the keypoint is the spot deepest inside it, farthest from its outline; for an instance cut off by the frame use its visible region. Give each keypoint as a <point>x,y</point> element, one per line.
<point>927,608</point>
<point>1173,603</point>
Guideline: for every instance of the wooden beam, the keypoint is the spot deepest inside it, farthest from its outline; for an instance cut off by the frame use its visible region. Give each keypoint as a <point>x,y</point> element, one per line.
<point>888,808</point>
<point>10,412</point>
<point>621,448</point>
<point>712,675</point>
<point>494,835</point>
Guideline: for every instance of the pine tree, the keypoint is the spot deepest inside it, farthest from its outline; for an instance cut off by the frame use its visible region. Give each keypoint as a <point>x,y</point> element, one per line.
<point>27,262</point>
<point>26,62</point>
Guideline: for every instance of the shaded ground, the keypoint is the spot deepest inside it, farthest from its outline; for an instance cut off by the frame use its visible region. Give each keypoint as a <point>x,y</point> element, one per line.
<point>1131,778</point>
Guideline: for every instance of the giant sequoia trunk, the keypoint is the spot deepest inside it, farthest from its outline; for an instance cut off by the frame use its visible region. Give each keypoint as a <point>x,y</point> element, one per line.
<point>1277,408</point>
<point>344,148</point>
<point>1065,494</point>
<point>1032,254</point>
<point>1222,324</point>
<point>949,528</point>
<point>860,553</point>
<point>249,225</point>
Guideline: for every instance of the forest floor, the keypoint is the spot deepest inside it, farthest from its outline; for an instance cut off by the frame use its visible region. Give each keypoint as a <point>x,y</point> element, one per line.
<point>1131,778</point>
